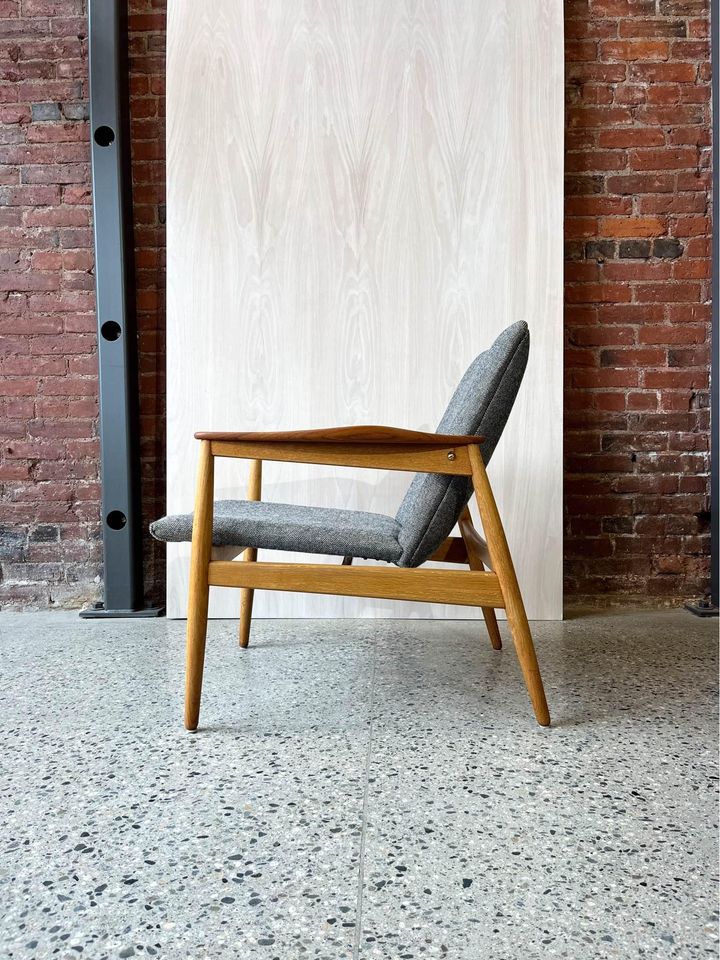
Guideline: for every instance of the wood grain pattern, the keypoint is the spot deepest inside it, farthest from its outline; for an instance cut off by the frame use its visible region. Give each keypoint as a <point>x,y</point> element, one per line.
<point>254,493</point>
<point>198,592</point>
<point>359,434</point>
<point>504,568</point>
<point>478,558</point>
<point>471,588</point>
<point>361,195</point>
<point>385,456</point>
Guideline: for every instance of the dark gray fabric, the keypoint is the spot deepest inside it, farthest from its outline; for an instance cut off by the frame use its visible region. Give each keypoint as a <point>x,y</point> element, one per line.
<point>480,405</point>
<point>283,526</point>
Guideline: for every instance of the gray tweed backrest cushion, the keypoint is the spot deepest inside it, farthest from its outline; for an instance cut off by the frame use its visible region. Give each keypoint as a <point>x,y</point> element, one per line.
<point>480,405</point>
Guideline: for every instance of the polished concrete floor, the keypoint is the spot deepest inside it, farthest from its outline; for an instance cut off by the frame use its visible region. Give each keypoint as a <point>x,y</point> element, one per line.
<point>364,789</point>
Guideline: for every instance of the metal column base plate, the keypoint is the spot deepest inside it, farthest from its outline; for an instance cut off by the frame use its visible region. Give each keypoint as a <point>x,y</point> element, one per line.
<point>702,608</point>
<point>98,612</point>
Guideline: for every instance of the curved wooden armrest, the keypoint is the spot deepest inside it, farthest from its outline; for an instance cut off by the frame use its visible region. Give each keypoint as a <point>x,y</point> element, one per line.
<point>365,434</point>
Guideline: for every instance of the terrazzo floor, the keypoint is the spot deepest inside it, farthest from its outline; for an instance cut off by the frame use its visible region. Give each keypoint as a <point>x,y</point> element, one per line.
<point>374,790</point>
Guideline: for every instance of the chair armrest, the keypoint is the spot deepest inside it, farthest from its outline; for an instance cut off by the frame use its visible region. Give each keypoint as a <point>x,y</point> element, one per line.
<point>386,448</point>
<point>347,435</point>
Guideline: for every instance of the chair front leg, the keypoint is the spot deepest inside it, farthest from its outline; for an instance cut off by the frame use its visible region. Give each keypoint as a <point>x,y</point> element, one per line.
<point>197,614</point>
<point>250,554</point>
<point>505,570</point>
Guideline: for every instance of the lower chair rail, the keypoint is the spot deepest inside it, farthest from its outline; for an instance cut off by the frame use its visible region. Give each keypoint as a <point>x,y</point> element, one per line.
<point>463,587</point>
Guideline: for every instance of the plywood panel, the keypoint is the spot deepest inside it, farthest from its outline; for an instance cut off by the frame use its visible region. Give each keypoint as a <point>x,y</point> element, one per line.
<point>361,195</point>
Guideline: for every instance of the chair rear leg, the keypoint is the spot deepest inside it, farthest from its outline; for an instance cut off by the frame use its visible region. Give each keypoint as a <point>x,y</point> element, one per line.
<point>476,563</point>
<point>249,556</point>
<point>199,587</point>
<point>503,567</point>
<point>246,603</point>
<point>492,625</point>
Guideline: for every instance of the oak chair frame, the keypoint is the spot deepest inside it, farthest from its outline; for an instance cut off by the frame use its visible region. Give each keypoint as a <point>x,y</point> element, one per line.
<point>490,583</point>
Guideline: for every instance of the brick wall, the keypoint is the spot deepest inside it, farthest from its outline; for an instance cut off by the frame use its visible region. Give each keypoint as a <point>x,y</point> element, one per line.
<point>637,291</point>
<point>48,401</point>
<point>637,297</point>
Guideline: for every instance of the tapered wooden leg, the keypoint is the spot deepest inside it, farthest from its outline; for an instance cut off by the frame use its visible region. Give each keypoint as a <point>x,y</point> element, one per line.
<point>246,604</point>
<point>246,594</point>
<point>466,528</point>
<point>246,599</point>
<point>492,627</point>
<point>199,589</point>
<point>503,567</point>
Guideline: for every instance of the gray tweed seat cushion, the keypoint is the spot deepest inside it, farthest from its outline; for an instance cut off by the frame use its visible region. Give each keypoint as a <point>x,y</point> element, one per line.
<point>284,526</point>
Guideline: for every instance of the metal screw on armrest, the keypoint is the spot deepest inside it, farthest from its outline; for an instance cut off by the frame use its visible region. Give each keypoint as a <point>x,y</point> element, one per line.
<point>451,455</point>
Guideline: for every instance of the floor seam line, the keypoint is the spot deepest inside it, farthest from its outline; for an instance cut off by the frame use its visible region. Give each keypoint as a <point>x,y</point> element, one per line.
<point>366,791</point>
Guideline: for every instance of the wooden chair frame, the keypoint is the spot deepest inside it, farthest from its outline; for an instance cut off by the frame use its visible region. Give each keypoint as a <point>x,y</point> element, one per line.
<point>490,583</point>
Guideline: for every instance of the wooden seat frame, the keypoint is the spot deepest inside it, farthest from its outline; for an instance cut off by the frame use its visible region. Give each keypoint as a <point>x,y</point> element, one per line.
<point>490,583</point>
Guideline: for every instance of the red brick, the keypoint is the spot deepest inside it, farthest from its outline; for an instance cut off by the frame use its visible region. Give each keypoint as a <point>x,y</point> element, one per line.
<point>660,27</point>
<point>632,226</point>
<point>633,270</point>
<point>691,227</point>
<point>632,50</point>
<point>598,292</point>
<point>633,358</point>
<point>603,336</point>
<point>690,379</point>
<point>642,400</point>
<point>32,280</point>
<point>664,72</point>
<point>588,160</point>
<point>669,115</point>
<point>698,247</point>
<point>693,180</point>
<point>641,183</point>
<point>672,334</point>
<point>692,269</point>
<point>663,94</point>
<point>676,158</point>
<point>580,227</point>
<point>597,206</point>
<point>51,8</point>
<point>77,259</point>
<point>667,292</point>
<point>672,203</point>
<point>632,137</point>
<point>59,216</point>
<point>594,379</point>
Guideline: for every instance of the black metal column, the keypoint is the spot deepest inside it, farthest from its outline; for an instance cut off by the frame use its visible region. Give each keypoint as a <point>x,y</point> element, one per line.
<point>715,362</point>
<point>117,340</point>
<point>707,606</point>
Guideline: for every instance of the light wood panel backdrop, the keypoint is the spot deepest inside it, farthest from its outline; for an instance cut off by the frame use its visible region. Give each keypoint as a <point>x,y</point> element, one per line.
<point>361,195</point>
